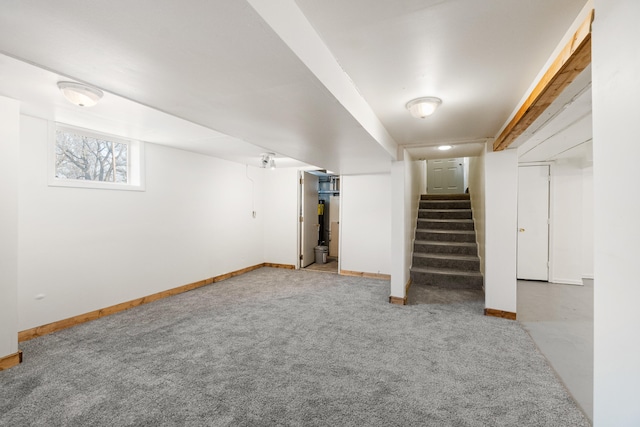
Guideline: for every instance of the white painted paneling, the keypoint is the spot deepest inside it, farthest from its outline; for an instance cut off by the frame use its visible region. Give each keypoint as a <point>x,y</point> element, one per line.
<point>567,230</point>
<point>366,223</point>
<point>280,215</point>
<point>9,175</point>
<point>616,67</point>
<point>87,249</point>
<point>501,188</point>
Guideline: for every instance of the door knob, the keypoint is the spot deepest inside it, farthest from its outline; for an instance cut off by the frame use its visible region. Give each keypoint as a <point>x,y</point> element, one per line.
<point>521,230</point>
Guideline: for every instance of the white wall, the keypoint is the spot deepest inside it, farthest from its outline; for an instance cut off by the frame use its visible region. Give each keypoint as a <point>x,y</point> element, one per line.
<point>587,222</point>
<point>86,249</point>
<point>477,194</point>
<point>9,172</point>
<point>408,183</point>
<point>615,71</point>
<point>365,229</point>
<point>280,215</point>
<point>567,228</point>
<point>571,229</point>
<point>399,259</point>
<point>501,190</point>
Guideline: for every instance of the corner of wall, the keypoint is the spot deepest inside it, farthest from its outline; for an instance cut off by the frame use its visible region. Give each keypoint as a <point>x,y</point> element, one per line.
<point>9,208</point>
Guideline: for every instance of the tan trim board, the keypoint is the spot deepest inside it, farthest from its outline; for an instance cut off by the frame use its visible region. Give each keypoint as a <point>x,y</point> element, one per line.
<point>571,61</point>
<point>499,313</point>
<point>407,286</point>
<point>96,314</point>
<point>398,300</point>
<point>405,300</point>
<point>285,266</point>
<point>364,274</point>
<point>235,273</point>
<point>11,360</point>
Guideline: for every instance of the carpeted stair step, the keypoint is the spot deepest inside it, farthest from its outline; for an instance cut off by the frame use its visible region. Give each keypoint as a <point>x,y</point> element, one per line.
<point>445,204</point>
<point>445,213</point>
<point>445,224</point>
<point>446,235</point>
<point>446,278</point>
<point>447,261</point>
<point>439,247</point>
<point>464,196</point>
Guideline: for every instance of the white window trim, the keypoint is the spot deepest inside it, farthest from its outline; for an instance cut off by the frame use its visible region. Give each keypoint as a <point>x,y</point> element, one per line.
<point>135,162</point>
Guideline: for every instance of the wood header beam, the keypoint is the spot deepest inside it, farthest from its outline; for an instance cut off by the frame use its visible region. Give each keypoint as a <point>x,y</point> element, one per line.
<point>571,61</point>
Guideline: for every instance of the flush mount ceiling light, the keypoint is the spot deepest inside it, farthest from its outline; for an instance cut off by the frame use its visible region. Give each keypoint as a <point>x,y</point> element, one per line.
<point>268,160</point>
<point>80,94</point>
<point>445,147</point>
<point>423,107</point>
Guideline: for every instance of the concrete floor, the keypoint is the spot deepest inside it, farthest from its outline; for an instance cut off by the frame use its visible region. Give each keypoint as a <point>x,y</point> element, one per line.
<point>331,266</point>
<point>559,319</point>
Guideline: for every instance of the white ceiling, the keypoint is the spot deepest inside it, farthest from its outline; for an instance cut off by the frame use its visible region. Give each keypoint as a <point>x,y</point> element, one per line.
<point>321,81</point>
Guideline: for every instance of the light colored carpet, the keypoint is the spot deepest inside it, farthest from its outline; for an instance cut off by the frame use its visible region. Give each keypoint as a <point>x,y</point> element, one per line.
<point>283,347</point>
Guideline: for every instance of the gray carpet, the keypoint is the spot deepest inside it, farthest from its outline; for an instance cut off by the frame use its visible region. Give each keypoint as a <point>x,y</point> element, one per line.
<point>282,347</point>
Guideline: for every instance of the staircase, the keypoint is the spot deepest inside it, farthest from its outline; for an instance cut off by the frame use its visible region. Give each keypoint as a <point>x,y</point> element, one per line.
<point>445,253</point>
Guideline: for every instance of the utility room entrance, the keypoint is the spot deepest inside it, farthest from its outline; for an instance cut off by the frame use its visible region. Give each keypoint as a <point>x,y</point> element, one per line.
<point>319,221</point>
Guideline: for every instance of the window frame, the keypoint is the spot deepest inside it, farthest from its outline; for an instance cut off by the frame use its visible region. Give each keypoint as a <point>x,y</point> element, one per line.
<point>135,162</point>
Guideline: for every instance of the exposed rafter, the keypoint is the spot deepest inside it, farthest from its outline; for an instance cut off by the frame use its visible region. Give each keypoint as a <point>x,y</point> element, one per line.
<point>571,61</point>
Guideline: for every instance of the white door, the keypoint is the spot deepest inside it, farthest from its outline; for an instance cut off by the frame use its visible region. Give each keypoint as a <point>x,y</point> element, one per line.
<point>334,225</point>
<point>309,225</point>
<point>533,223</point>
<point>445,176</point>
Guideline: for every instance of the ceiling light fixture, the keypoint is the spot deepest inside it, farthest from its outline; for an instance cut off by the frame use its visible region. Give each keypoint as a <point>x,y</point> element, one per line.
<point>80,94</point>
<point>423,107</point>
<point>445,147</point>
<point>268,160</point>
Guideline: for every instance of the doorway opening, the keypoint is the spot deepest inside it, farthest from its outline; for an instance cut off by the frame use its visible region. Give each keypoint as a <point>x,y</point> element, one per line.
<point>319,221</point>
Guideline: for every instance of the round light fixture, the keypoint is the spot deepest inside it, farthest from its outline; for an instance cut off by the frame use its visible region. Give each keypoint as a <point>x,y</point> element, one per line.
<point>80,94</point>
<point>423,107</point>
<point>445,147</point>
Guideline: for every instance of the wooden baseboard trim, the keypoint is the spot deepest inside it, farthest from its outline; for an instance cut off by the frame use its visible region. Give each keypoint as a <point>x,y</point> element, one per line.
<point>407,286</point>
<point>397,300</point>
<point>226,276</point>
<point>499,313</point>
<point>285,266</point>
<point>96,314</point>
<point>405,300</point>
<point>363,274</point>
<point>11,360</point>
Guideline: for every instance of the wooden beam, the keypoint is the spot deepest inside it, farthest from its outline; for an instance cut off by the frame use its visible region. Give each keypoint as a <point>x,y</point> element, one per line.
<point>571,61</point>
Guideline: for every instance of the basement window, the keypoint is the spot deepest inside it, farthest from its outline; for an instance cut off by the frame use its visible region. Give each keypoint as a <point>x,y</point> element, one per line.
<point>84,159</point>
